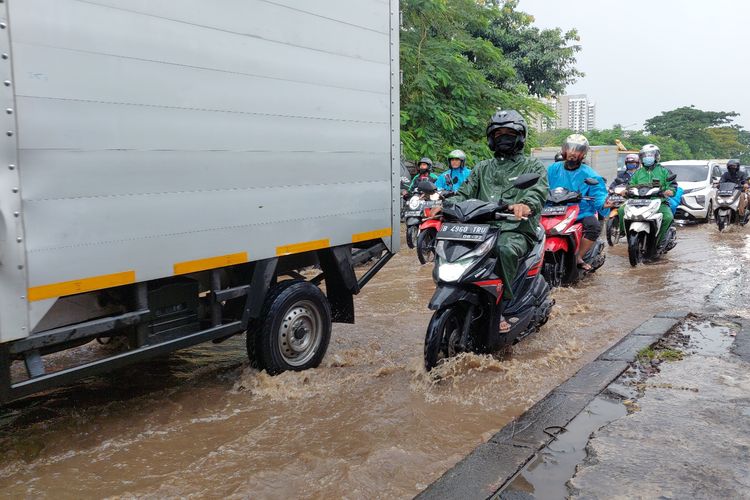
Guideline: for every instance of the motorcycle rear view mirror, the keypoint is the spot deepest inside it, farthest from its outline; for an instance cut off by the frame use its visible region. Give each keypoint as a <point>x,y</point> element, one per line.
<point>525,181</point>
<point>591,181</point>
<point>672,178</point>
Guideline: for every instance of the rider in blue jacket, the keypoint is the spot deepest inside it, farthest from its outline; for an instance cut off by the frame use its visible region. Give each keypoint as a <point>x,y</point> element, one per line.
<point>571,174</point>
<point>457,173</point>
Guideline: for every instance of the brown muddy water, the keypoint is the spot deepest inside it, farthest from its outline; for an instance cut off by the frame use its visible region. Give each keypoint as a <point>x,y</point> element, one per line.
<point>367,424</point>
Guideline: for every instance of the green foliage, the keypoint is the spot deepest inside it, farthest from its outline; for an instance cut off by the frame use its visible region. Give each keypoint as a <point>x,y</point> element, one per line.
<point>544,59</point>
<point>454,78</point>
<point>707,134</point>
<point>683,134</point>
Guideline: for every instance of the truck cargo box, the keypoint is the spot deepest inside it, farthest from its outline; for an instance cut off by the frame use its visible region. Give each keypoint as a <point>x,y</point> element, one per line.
<point>149,140</point>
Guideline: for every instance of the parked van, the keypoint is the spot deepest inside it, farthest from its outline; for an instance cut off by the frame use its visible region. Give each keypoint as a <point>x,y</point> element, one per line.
<point>695,177</point>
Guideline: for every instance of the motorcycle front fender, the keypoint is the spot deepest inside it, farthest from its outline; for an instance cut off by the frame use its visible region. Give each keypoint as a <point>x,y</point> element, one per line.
<point>640,227</point>
<point>447,295</point>
<point>431,223</point>
<point>556,243</point>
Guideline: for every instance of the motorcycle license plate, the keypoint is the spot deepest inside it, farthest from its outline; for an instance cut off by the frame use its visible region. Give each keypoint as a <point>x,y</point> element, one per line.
<point>413,213</point>
<point>463,232</point>
<point>556,210</point>
<point>639,203</point>
<point>726,193</point>
<point>615,199</point>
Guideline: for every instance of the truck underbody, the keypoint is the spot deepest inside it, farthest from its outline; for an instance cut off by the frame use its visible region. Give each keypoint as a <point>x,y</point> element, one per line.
<point>157,317</point>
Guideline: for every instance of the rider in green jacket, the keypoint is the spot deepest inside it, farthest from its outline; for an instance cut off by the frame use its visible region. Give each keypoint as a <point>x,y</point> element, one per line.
<point>492,180</point>
<point>646,175</point>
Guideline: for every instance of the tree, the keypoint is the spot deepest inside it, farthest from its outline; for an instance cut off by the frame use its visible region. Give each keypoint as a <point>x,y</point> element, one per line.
<point>691,125</point>
<point>454,78</point>
<point>544,59</point>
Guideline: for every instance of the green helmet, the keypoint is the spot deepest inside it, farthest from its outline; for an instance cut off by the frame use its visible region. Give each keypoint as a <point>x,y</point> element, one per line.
<point>457,153</point>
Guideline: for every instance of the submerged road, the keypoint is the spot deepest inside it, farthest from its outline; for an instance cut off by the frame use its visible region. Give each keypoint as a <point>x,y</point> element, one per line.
<point>367,423</point>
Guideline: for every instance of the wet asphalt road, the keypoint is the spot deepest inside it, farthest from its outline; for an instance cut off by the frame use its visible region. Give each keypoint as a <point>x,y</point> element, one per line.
<point>367,423</point>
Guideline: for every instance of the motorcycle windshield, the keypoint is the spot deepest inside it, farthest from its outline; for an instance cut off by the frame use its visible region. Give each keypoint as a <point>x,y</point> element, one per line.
<point>562,195</point>
<point>727,189</point>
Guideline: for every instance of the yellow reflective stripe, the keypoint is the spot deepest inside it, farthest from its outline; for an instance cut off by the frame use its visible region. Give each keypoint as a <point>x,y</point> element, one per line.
<point>193,266</point>
<point>372,235</point>
<point>81,285</point>
<point>302,247</point>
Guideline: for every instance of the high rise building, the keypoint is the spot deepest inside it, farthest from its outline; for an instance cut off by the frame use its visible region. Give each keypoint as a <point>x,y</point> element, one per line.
<point>576,112</point>
<point>541,123</point>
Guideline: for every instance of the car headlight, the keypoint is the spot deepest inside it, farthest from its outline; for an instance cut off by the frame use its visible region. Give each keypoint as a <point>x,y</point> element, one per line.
<point>692,190</point>
<point>700,200</point>
<point>414,202</point>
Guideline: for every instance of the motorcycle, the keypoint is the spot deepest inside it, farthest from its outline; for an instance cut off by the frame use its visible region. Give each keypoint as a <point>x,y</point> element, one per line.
<point>425,196</point>
<point>467,302</point>
<point>643,222</point>
<point>426,238</point>
<point>727,204</point>
<point>429,228</point>
<point>404,195</point>
<point>564,236</point>
<point>614,201</point>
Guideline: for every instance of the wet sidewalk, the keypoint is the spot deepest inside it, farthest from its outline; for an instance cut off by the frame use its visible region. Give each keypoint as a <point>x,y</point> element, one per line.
<point>665,413</point>
<point>688,433</point>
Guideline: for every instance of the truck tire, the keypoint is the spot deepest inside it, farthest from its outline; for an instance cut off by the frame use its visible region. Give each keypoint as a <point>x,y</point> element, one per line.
<point>294,329</point>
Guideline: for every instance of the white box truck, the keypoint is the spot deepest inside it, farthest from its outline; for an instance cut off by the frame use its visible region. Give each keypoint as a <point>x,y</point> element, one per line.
<point>170,167</point>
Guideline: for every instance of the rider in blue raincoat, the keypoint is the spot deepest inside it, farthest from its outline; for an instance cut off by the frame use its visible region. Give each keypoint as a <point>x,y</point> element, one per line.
<point>457,173</point>
<point>571,174</point>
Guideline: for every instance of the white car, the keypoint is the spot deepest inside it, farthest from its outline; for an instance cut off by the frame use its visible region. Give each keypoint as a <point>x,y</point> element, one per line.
<point>696,178</point>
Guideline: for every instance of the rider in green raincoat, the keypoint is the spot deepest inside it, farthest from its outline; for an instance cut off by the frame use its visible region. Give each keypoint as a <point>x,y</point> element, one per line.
<point>491,178</point>
<point>646,175</point>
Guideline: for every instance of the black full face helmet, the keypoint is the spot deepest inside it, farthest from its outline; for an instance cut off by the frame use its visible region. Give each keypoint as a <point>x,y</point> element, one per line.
<point>424,170</point>
<point>733,166</point>
<point>511,122</point>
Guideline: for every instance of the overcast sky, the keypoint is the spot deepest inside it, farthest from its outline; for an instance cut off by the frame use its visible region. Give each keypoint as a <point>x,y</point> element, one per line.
<point>642,57</point>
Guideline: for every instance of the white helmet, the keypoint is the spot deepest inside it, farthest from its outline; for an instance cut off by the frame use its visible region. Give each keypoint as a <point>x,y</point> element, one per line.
<point>574,150</point>
<point>650,151</point>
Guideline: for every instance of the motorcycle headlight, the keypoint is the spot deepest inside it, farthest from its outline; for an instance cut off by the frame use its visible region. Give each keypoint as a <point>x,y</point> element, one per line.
<point>452,271</point>
<point>435,196</point>
<point>560,227</point>
<point>414,202</point>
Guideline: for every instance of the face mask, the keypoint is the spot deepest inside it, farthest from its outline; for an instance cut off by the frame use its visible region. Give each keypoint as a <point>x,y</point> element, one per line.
<point>505,144</point>
<point>630,167</point>
<point>572,164</point>
<point>648,161</point>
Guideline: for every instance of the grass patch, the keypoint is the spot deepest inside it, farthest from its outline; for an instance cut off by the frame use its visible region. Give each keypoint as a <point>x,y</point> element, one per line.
<point>666,354</point>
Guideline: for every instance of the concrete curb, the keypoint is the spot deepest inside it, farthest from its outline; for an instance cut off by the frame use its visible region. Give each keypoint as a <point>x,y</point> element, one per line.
<point>491,465</point>
<point>741,345</point>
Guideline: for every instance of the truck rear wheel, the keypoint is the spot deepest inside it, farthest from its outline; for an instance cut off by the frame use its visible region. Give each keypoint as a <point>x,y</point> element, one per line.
<point>294,331</point>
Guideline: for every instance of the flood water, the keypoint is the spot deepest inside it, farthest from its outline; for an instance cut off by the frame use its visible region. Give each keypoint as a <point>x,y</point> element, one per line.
<point>367,424</point>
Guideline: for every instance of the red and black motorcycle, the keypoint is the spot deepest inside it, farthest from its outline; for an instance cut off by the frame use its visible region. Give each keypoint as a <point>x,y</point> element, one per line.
<point>564,233</point>
<point>468,300</point>
<point>421,201</point>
